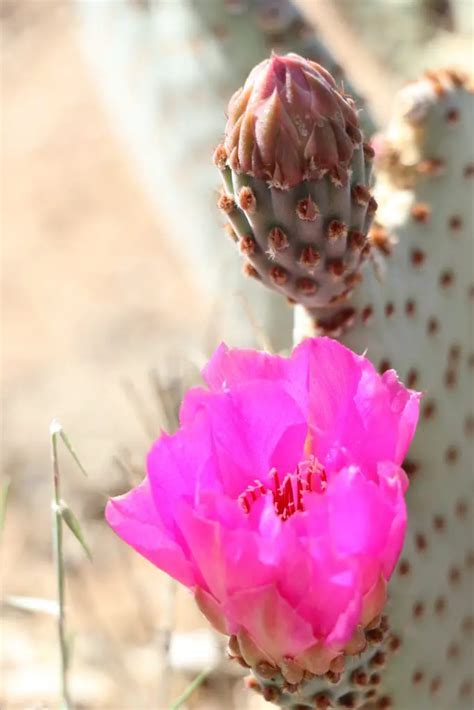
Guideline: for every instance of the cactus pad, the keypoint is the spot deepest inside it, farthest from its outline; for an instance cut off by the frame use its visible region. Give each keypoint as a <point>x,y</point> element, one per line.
<point>416,315</point>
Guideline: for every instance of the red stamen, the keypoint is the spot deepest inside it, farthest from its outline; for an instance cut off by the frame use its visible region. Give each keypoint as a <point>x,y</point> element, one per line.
<point>299,493</point>
<point>243,502</point>
<point>276,480</point>
<point>310,477</point>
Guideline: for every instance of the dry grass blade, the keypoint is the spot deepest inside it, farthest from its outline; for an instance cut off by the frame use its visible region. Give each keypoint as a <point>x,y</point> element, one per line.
<point>62,513</point>
<point>190,690</point>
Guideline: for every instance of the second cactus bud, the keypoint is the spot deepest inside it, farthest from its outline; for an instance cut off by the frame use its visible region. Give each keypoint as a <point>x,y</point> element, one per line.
<point>296,178</point>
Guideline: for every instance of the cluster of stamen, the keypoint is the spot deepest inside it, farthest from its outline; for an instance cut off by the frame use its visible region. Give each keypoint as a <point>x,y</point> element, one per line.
<point>309,477</point>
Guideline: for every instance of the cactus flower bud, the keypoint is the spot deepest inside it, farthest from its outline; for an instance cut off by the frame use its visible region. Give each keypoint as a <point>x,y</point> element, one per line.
<point>293,163</point>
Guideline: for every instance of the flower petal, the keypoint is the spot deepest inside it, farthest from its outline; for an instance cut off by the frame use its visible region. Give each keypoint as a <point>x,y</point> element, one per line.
<point>134,518</point>
<point>228,368</point>
<point>180,466</point>
<point>211,609</point>
<point>248,426</point>
<point>272,623</point>
<point>227,559</point>
<point>349,405</point>
<point>360,518</point>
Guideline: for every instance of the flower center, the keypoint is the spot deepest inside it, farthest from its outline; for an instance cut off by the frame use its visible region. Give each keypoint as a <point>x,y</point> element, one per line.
<point>309,477</point>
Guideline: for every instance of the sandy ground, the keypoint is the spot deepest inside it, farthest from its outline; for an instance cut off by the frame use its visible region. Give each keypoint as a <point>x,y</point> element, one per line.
<point>90,297</point>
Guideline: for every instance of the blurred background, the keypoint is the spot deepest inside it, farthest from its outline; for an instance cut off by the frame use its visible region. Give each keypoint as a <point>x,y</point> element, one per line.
<point>118,281</point>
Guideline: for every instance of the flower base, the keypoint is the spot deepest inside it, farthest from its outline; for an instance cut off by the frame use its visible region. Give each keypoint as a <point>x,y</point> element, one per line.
<point>354,681</point>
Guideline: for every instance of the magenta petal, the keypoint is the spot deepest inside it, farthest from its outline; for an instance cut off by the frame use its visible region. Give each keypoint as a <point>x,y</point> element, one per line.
<point>346,622</point>
<point>394,543</point>
<point>228,560</point>
<point>247,427</point>
<point>284,549</point>
<point>180,465</point>
<point>349,405</point>
<point>390,414</point>
<point>393,484</point>
<point>326,377</point>
<point>204,542</point>
<point>271,621</point>
<point>212,611</point>
<point>289,447</point>
<point>134,518</point>
<point>360,518</point>
<point>406,404</point>
<point>228,368</point>
<point>333,592</point>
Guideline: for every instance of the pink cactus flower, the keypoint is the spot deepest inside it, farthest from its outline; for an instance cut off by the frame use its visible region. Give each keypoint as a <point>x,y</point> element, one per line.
<point>280,500</point>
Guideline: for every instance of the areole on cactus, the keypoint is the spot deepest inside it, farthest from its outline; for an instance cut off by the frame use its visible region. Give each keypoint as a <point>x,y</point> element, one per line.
<point>296,179</point>
<point>280,503</point>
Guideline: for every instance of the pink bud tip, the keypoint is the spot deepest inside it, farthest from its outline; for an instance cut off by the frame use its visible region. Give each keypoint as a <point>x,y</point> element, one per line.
<point>289,122</point>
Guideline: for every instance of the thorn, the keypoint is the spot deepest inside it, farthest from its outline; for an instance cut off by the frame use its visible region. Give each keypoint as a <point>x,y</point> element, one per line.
<point>360,195</point>
<point>220,157</point>
<point>307,210</point>
<point>336,269</point>
<point>356,240</point>
<point>306,286</point>
<point>337,230</point>
<point>247,200</point>
<point>369,152</point>
<point>247,245</point>
<point>250,270</point>
<point>309,258</point>
<point>226,203</point>
<point>278,275</point>
<point>277,239</point>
